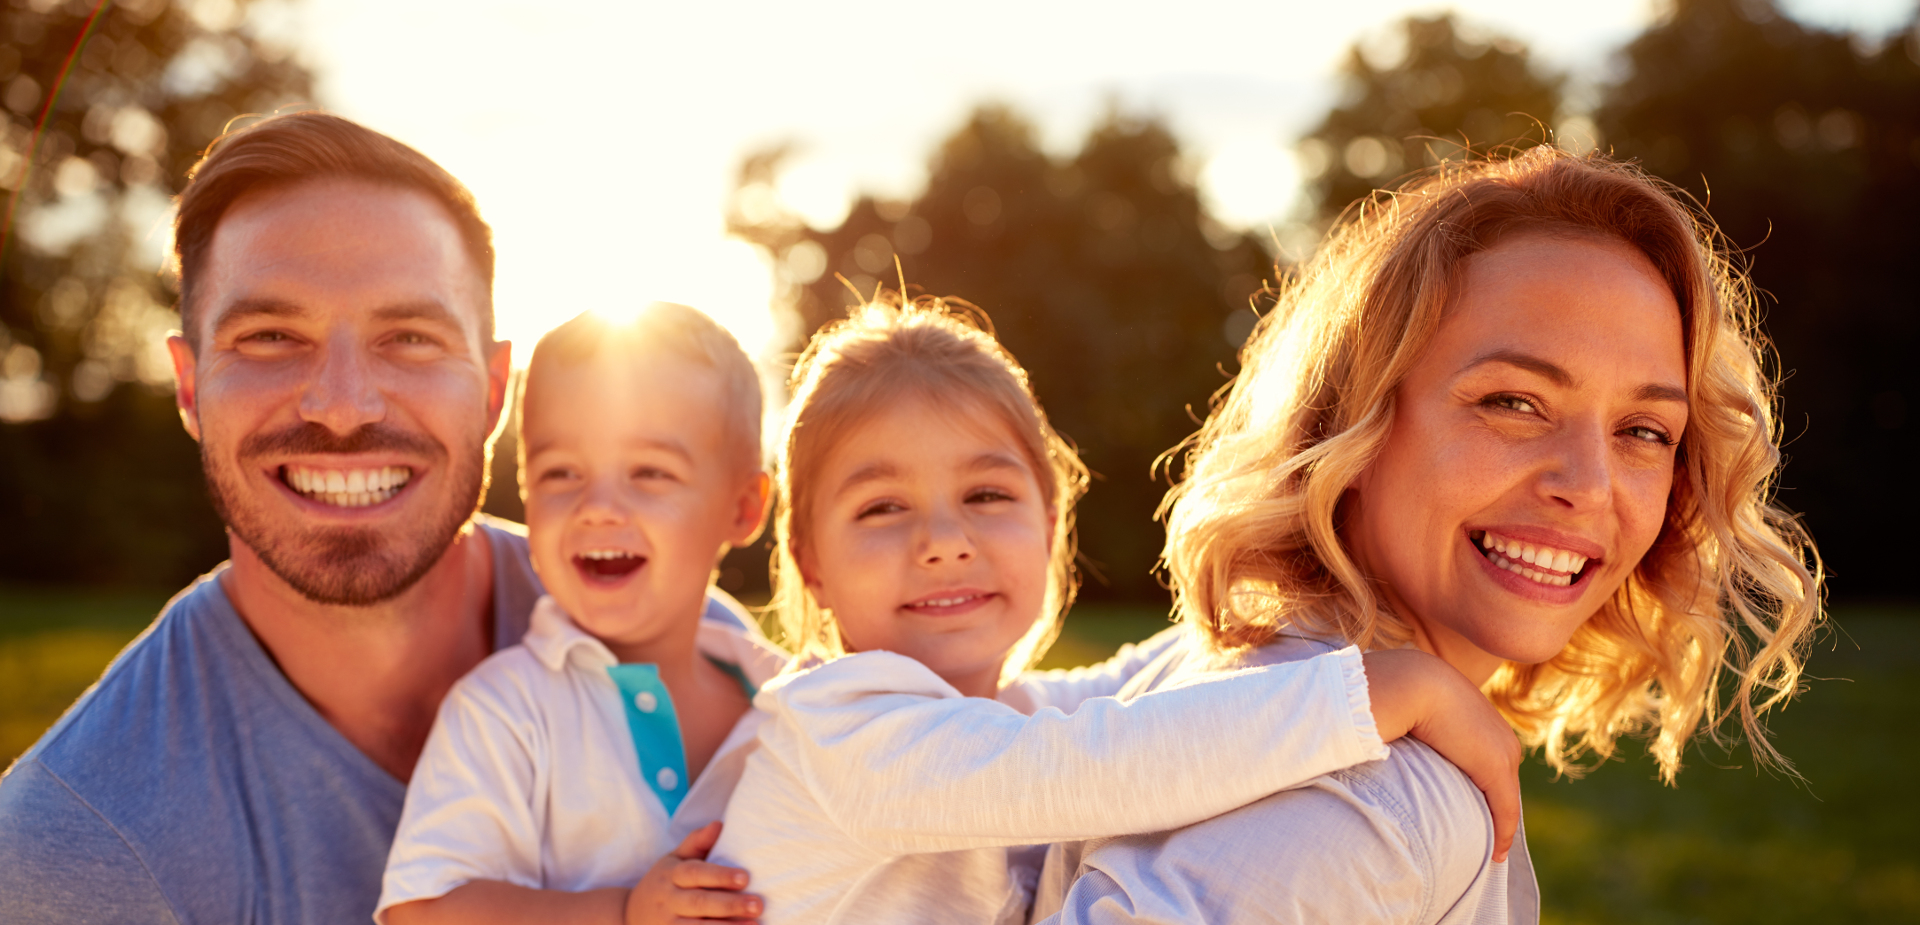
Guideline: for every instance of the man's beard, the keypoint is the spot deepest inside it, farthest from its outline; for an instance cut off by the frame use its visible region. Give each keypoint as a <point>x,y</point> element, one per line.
<point>350,566</point>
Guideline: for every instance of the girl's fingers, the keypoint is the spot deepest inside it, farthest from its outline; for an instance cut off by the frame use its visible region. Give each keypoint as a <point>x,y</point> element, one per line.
<point>714,904</point>
<point>700,875</point>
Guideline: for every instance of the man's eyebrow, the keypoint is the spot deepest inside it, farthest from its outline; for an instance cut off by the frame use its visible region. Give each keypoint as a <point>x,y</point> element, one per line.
<point>242,309</point>
<point>1526,361</point>
<point>423,310</point>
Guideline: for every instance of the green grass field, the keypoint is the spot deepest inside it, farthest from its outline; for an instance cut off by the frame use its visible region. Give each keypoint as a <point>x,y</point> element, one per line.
<point>1727,845</point>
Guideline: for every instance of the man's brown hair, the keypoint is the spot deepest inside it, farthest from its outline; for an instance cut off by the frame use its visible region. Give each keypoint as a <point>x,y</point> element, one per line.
<point>295,147</point>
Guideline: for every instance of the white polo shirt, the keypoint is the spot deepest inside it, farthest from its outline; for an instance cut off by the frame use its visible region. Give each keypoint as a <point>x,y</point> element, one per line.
<point>552,766</point>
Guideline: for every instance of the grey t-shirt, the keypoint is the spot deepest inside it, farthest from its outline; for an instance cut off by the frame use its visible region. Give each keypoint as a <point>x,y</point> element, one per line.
<point>193,784</point>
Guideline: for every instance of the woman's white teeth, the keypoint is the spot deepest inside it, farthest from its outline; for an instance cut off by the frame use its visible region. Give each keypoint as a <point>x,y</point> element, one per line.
<point>348,487</point>
<point>1509,554</point>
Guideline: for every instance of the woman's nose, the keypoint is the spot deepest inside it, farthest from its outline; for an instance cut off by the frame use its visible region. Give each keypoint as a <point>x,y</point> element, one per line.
<point>1580,475</point>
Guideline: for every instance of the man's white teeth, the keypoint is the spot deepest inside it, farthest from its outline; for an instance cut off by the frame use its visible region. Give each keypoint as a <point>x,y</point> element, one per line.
<point>348,487</point>
<point>1510,553</point>
<point>606,554</point>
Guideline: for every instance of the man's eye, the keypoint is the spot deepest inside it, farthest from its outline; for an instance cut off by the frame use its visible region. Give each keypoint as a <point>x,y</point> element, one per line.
<point>267,337</point>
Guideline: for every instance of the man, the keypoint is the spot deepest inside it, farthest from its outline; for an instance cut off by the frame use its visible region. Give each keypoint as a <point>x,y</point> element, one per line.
<point>245,759</point>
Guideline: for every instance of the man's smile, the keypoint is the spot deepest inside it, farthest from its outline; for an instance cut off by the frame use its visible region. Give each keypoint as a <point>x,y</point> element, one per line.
<point>359,487</point>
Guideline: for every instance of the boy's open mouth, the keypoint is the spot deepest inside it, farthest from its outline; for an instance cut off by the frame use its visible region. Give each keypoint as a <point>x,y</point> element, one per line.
<point>346,487</point>
<point>1546,565</point>
<point>608,563</point>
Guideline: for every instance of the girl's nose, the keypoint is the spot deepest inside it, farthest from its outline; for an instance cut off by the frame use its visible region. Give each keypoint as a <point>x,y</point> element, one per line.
<point>946,540</point>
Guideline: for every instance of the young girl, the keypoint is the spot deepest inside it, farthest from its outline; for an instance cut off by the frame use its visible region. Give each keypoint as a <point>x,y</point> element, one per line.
<point>927,527</point>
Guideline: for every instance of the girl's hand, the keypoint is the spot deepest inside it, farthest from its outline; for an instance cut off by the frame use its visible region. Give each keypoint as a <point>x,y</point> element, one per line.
<point>682,887</point>
<point>1417,694</point>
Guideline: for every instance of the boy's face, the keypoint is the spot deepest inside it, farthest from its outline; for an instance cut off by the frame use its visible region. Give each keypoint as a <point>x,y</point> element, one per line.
<point>633,489</point>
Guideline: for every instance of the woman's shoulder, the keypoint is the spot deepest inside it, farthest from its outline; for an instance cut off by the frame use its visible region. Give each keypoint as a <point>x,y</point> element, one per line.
<point>1405,839</point>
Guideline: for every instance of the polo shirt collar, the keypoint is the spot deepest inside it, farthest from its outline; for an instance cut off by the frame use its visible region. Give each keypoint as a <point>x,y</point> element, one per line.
<point>554,639</point>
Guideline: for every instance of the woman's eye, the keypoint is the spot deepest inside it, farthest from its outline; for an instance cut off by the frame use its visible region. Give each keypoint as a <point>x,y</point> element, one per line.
<point>1510,402</point>
<point>1649,434</point>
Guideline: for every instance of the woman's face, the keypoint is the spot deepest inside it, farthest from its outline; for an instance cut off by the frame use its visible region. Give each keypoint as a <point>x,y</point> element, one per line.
<point>1532,451</point>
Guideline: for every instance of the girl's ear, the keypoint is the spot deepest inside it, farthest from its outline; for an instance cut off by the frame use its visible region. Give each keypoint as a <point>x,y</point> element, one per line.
<point>1053,520</point>
<point>803,557</point>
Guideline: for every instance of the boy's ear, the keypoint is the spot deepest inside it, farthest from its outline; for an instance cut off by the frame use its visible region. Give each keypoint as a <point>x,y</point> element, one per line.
<point>750,509</point>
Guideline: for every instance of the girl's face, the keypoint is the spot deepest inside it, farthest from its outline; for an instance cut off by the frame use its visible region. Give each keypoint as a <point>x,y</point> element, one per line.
<point>929,538</point>
<point>1531,452</point>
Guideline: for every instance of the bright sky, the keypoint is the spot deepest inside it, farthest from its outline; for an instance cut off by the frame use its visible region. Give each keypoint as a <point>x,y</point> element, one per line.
<point>601,136</point>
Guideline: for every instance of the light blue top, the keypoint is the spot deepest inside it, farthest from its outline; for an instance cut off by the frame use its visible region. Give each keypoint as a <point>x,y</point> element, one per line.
<point>194,784</point>
<point>1404,840</point>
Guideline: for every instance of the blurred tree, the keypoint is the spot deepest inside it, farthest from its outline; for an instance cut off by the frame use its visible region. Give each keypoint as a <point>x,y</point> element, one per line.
<point>1805,144</point>
<point>1102,273</point>
<point>106,106</point>
<point>1442,90</point>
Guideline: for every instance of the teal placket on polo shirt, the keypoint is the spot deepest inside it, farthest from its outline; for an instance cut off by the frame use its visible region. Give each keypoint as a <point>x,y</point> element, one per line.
<point>656,727</point>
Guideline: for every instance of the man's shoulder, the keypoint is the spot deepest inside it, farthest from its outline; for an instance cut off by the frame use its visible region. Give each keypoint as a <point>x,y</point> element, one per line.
<point>60,860</point>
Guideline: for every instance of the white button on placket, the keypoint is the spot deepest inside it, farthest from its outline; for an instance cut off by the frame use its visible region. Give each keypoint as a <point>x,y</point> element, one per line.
<point>667,779</point>
<point>646,702</point>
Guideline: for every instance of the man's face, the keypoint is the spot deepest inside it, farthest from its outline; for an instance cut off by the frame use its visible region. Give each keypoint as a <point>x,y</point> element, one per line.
<point>344,388</point>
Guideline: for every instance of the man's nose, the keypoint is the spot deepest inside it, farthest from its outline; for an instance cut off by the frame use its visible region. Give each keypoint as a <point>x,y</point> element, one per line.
<point>342,395</point>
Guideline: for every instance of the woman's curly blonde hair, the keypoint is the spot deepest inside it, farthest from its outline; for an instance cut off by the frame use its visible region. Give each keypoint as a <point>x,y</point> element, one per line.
<point>886,351</point>
<point>1732,582</point>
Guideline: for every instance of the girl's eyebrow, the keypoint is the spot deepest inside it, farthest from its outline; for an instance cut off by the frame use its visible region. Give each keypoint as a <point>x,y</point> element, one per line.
<point>872,472</point>
<point>994,460</point>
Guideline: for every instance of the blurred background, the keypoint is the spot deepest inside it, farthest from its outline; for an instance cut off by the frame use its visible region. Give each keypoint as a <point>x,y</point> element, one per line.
<point>1114,183</point>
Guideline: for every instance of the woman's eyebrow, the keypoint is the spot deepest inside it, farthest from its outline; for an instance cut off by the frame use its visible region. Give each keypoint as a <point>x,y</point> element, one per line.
<point>1527,361</point>
<point>1654,391</point>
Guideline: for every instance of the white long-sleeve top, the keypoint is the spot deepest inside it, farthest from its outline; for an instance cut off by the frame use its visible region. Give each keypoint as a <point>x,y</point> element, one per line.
<point>1405,841</point>
<point>880,794</point>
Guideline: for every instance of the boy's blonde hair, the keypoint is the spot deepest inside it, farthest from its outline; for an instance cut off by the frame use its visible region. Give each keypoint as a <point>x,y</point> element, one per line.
<point>1731,581</point>
<point>941,350</point>
<point>659,328</point>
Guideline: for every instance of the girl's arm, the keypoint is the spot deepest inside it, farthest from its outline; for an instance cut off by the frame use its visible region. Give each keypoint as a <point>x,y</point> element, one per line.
<point>903,763</point>
<point>1067,688</point>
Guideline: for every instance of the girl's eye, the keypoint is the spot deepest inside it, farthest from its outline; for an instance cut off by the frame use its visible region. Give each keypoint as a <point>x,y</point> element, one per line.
<point>878,508</point>
<point>988,495</point>
<point>1511,402</point>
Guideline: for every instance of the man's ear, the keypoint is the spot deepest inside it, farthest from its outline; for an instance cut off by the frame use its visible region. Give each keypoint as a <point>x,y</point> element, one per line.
<point>185,388</point>
<point>499,381</point>
<point>750,509</point>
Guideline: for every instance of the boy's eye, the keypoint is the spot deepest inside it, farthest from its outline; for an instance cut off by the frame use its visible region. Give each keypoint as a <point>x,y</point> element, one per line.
<point>650,473</point>
<point>555,474</point>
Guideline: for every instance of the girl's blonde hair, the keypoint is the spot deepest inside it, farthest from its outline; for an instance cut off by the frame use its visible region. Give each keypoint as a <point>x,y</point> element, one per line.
<point>1732,581</point>
<point>889,350</point>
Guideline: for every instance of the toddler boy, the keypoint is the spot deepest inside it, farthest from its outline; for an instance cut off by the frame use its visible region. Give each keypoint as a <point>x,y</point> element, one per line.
<point>561,772</point>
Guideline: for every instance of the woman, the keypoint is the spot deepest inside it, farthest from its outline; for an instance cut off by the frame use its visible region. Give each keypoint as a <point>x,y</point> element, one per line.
<point>1514,415</point>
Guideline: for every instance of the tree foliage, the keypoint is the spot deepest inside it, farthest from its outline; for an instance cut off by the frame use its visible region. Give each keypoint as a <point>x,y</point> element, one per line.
<point>1453,90</point>
<point>1101,272</point>
<point>1805,145</point>
<point>97,481</point>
